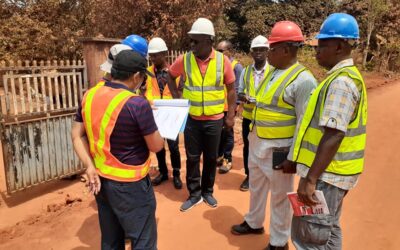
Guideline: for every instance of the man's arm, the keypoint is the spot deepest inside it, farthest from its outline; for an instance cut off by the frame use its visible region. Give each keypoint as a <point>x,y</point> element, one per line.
<point>176,93</point>
<point>327,148</point>
<point>238,73</point>
<point>154,141</point>
<point>81,147</point>
<point>241,95</point>
<point>231,96</point>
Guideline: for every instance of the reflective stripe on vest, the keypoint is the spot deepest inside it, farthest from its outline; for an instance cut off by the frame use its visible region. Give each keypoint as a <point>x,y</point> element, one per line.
<point>206,94</point>
<point>101,83</point>
<point>153,90</point>
<point>101,106</point>
<point>274,118</point>
<point>349,159</point>
<point>249,89</point>
<point>233,63</point>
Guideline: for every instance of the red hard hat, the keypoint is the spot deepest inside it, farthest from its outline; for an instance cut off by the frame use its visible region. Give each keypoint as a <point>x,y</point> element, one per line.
<point>285,31</point>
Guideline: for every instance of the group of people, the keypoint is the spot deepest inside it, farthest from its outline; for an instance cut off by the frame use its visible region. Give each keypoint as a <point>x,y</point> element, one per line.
<point>291,124</point>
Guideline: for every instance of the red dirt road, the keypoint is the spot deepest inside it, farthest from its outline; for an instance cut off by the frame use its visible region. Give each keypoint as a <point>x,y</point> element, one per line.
<point>40,218</point>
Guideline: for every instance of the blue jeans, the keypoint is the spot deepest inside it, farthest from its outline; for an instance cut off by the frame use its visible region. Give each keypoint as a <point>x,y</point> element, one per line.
<point>127,210</point>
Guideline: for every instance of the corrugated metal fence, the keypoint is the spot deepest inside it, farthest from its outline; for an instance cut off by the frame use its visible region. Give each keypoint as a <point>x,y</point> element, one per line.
<point>38,102</point>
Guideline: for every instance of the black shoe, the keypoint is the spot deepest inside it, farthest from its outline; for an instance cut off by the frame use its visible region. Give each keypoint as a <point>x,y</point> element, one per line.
<point>159,179</point>
<point>245,185</point>
<point>226,167</point>
<point>177,182</point>
<point>271,247</point>
<point>210,200</point>
<point>244,228</point>
<point>190,203</point>
<point>220,161</point>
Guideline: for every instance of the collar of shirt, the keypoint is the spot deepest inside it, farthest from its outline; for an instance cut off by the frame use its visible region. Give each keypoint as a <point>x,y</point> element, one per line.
<point>341,64</point>
<point>211,56</point>
<point>165,69</point>
<point>262,70</point>
<point>115,85</point>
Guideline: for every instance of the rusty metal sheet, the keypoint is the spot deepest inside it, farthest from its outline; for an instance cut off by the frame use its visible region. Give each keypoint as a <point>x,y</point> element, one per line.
<point>39,151</point>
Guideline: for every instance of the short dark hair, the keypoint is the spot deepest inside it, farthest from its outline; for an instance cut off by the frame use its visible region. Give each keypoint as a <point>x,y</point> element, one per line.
<point>121,75</point>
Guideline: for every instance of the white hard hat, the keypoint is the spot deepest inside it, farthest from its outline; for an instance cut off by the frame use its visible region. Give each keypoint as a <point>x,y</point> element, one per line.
<point>156,45</point>
<point>259,42</point>
<point>114,50</point>
<point>202,26</point>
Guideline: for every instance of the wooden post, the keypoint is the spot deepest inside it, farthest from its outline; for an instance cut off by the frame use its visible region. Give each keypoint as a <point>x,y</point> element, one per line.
<point>95,52</point>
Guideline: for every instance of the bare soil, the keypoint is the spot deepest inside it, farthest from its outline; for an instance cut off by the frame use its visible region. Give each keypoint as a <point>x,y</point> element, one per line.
<point>62,215</point>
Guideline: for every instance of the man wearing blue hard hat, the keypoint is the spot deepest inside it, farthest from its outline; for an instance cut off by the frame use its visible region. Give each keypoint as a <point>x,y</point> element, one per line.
<point>330,140</point>
<point>131,42</point>
<point>137,43</point>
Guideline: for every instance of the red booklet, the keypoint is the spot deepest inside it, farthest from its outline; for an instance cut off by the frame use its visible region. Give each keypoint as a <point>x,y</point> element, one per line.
<point>299,209</point>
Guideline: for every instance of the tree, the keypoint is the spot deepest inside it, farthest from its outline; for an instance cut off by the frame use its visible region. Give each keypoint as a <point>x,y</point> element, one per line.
<point>376,9</point>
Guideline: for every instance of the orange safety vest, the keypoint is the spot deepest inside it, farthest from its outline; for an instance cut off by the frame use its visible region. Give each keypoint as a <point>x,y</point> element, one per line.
<point>233,63</point>
<point>101,106</point>
<point>153,90</point>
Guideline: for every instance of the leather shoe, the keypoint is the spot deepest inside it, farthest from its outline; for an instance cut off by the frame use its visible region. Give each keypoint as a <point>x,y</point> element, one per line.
<point>159,179</point>
<point>177,182</point>
<point>244,228</point>
<point>271,247</point>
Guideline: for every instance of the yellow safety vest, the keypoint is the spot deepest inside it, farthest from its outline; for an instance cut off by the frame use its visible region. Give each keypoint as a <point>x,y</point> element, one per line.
<point>274,118</point>
<point>206,94</point>
<point>233,63</point>
<point>349,159</point>
<point>250,90</point>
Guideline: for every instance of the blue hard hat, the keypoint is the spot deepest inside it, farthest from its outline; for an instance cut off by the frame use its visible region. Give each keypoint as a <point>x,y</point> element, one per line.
<point>339,25</point>
<point>137,43</point>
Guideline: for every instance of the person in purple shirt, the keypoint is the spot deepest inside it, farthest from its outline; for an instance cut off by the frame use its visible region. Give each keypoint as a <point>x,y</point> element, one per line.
<point>126,207</point>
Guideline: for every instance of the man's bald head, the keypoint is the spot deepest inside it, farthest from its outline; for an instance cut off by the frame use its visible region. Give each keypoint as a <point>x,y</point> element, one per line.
<point>225,47</point>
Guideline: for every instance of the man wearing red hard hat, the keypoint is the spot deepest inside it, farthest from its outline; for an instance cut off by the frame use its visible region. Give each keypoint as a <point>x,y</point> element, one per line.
<point>279,104</point>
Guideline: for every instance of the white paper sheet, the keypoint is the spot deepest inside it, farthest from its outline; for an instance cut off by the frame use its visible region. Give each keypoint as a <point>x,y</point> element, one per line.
<point>171,116</point>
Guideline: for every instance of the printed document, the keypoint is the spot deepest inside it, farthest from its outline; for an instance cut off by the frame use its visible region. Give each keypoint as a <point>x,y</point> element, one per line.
<point>171,116</point>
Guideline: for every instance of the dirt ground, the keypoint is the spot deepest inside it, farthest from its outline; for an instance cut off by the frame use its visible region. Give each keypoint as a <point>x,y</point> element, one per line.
<point>62,215</point>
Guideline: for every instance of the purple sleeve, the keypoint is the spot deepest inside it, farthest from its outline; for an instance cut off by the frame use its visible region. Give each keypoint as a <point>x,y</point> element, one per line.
<point>141,111</point>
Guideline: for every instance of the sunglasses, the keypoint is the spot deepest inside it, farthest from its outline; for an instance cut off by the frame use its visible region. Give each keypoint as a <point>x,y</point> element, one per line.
<point>195,42</point>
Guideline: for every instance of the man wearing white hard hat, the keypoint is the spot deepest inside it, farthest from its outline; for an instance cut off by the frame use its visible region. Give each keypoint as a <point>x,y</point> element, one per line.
<point>107,65</point>
<point>206,73</point>
<point>157,88</point>
<point>250,80</point>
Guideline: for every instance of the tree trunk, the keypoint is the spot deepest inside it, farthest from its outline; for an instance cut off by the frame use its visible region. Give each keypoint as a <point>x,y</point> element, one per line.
<point>366,50</point>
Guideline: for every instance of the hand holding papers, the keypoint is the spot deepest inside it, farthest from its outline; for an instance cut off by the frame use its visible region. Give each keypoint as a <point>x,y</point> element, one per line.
<point>300,209</point>
<point>171,116</point>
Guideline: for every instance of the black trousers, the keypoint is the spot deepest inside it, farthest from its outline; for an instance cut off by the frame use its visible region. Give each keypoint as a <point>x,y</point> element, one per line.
<point>227,142</point>
<point>201,137</point>
<point>245,133</point>
<point>175,155</point>
<point>127,210</point>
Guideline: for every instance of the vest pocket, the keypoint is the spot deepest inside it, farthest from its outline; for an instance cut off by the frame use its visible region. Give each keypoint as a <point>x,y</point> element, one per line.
<point>312,229</point>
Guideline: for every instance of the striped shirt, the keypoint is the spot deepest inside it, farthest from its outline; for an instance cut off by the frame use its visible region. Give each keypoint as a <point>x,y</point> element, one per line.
<point>134,122</point>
